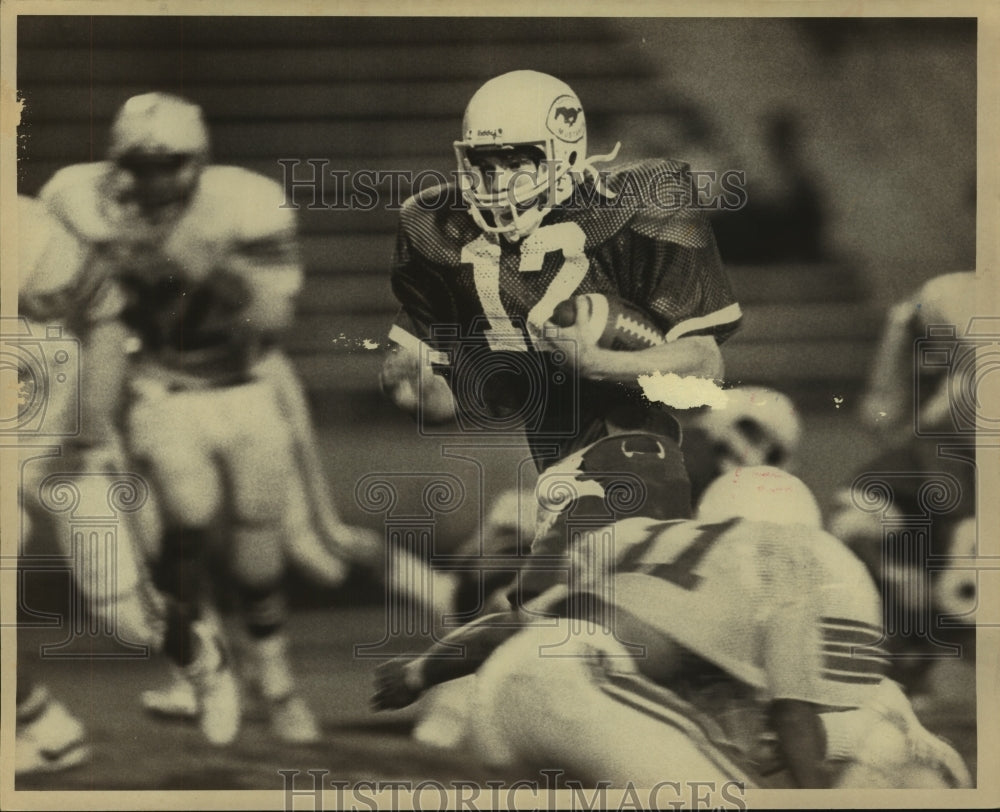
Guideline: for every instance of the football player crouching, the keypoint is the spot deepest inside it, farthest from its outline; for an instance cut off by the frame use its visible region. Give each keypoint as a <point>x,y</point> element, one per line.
<point>666,670</point>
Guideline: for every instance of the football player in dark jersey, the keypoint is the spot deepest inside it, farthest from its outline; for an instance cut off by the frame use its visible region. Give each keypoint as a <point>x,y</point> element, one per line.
<point>481,264</point>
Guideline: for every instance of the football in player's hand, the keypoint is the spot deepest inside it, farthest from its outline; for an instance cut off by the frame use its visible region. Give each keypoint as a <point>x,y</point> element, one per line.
<point>609,322</point>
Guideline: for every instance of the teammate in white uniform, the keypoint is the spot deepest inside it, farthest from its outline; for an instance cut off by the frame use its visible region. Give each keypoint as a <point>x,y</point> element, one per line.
<point>208,259</point>
<point>64,306</point>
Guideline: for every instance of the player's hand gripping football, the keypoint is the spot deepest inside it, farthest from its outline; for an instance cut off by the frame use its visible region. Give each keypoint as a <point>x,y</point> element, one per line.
<point>397,684</point>
<point>588,326</point>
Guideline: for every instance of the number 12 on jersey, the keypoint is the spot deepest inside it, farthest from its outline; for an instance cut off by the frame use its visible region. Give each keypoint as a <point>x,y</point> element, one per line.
<point>484,256</point>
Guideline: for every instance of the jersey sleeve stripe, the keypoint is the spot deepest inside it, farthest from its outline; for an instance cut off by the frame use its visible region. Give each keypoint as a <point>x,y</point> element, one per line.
<point>852,679</point>
<point>854,665</point>
<point>858,636</point>
<point>848,623</point>
<point>727,315</point>
<point>854,651</point>
<point>874,657</point>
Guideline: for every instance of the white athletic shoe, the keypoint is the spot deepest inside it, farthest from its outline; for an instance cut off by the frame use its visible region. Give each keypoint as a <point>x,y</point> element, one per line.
<point>291,719</point>
<point>49,738</point>
<point>215,687</point>
<point>177,701</point>
<point>445,714</point>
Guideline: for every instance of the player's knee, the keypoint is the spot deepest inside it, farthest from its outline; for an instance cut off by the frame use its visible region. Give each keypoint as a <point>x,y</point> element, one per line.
<point>263,499</point>
<point>258,557</point>
<point>179,570</point>
<point>190,498</point>
<point>264,608</point>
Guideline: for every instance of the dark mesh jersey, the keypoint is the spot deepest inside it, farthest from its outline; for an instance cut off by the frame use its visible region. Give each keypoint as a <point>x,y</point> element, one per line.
<point>473,302</point>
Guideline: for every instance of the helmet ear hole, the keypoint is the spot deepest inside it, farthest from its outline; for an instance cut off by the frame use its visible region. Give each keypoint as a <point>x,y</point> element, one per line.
<point>776,456</point>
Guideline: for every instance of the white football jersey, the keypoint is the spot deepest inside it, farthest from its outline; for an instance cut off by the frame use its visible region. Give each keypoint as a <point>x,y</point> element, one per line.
<point>202,284</point>
<point>787,609</point>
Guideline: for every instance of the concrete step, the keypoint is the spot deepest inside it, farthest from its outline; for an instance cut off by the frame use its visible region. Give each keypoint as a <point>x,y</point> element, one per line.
<point>283,63</point>
<point>401,97</point>
<point>255,32</point>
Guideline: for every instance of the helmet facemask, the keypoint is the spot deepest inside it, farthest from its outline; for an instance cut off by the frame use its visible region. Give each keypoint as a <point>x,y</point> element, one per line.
<point>510,189</point>
<point>514,116</point>
<point>757,426</point>
<point>159,146</point>
<point>156,182</point>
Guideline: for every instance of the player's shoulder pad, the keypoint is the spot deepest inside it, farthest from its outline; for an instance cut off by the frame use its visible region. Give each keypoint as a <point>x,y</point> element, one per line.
<point>657,198</point>
<point>436,223</point>
<point>48,256</point>
<point>254,206</point>
<point>72,195</point>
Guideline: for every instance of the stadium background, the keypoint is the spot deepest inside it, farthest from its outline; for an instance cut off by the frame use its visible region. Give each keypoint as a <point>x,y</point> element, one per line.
<point>857,137</point>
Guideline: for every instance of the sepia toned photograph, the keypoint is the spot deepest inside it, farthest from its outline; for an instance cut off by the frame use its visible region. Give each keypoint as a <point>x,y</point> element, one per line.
<point>407,409</point>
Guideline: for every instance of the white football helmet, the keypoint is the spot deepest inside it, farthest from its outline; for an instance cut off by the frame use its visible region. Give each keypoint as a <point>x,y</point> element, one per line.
<point>158,124</point>
<point>528,116</point>
<point>159,145</point>
<point>757,426</point>
<point>760,493</point>
<point>956,590</point>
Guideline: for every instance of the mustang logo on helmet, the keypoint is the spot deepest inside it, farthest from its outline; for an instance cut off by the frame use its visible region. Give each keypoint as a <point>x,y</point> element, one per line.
<point>565,119</point>
<point>553,134</point>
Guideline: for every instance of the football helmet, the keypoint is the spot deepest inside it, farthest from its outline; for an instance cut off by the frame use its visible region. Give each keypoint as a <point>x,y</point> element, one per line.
<point>757,426</point>
<point>523,147</point>
<point>159,144</point>
<point>760,493</point>
<point>956,589</point>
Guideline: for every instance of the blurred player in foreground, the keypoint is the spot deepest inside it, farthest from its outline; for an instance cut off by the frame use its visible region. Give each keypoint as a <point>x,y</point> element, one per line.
<point>921,404</point>
<point>726,648</point>
<point>208,259</point>
<point>756,426</point>
<point>59,294</point>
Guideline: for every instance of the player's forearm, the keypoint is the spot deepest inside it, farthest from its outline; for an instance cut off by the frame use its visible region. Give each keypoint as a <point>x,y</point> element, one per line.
<point>801,741</point>
<point>416,389</point>
<point>103,367</point>
<point>479,639</point>
<point>697,356</point>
